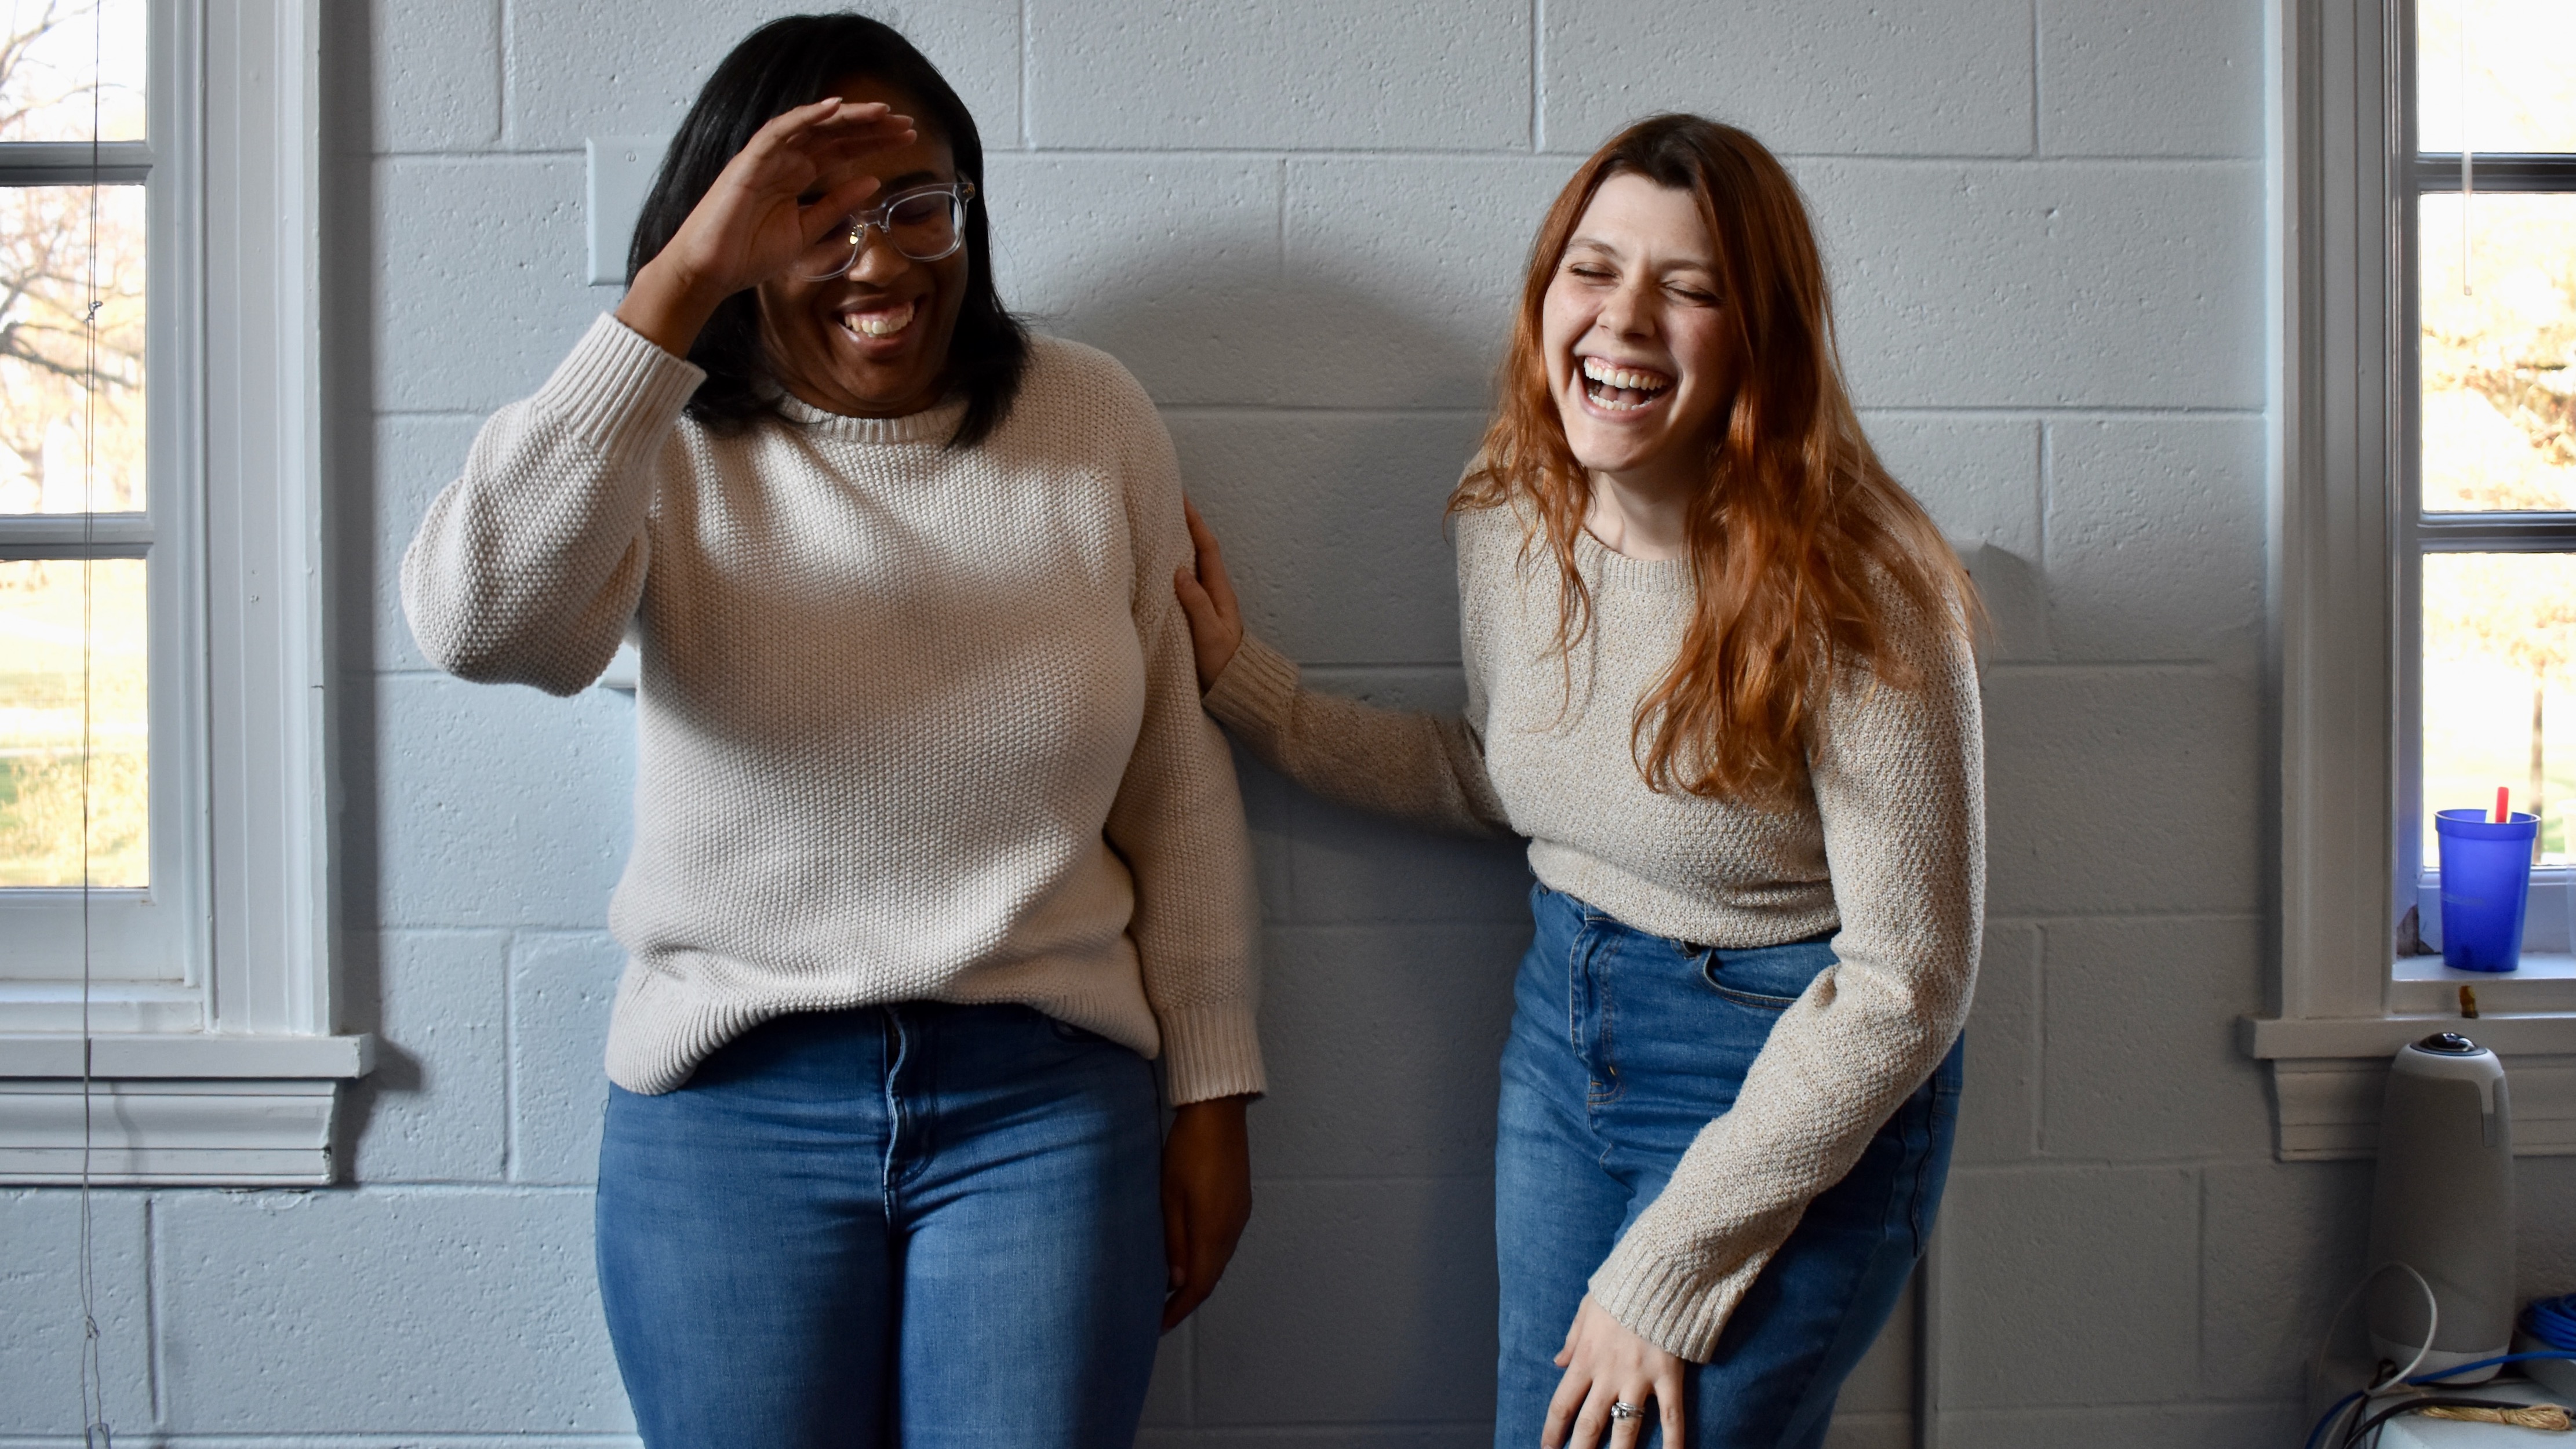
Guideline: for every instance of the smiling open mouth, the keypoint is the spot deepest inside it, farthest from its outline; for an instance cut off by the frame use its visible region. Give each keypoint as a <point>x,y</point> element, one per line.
<point>1621,389</point>
<point>879,322</point>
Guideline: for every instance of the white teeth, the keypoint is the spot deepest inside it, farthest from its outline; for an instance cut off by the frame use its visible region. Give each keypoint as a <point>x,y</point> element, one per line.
<point>1624,377</point>
<point>879,324</point>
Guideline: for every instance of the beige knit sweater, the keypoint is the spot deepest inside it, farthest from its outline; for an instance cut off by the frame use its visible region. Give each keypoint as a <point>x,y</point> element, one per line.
<point>1888,851</point>
<point>914,724</point>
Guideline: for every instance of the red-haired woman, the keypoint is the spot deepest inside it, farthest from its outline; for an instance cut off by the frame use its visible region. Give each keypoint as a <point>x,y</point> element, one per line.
<point>1719,672</point>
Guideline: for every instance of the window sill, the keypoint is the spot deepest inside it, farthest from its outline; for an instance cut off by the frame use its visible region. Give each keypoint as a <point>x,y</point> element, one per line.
<point>2328,1073</point>
<point>228,1111</point>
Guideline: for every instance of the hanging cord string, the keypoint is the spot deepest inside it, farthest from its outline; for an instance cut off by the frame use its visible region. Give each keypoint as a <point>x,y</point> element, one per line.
<point>93,1382</point>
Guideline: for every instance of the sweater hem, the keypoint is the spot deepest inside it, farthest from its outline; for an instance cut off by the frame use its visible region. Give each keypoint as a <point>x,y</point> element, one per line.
<point>1211,1051</point>
<point>1668,1303</point>
<point>1256,689</point>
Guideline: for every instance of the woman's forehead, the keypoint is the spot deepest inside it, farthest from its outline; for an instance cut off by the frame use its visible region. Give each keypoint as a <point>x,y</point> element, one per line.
<point>1630,215</point>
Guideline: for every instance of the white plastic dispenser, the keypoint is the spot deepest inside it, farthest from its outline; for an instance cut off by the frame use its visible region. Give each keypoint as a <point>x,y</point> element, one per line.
<point>2443,1206</point>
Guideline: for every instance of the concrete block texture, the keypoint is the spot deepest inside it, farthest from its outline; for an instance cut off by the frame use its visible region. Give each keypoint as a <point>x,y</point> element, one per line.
<point>2130,284</point>
<point>2069,1286</point>
<point>1333,526</point>
<point>2175,79</point>
<point>2118,790</point>
<point>599,68</point>
<point>436,1108</point>
<point>1269,806</point>
<point>41,1334</point>
<point>1362,1303</point>
<point>1887,80</point>
<point>1977,476</point>
<point>479,291</point>
<point>416,456</point>
<point>500,806</point>
<point>561,986</point>
<point>1999,1099</point>
<point>2543,1246</point>
<point>1349,866</point>
<point>1407,271</point>
<point>2282,1246</point>
<point>1382,1044</point>
<point>438,71</point>
<point>383,1312</point>
<point>2155,538</point>
<point>2140,1057</point>
<point>1168,263</point>
<point>1415,75</point>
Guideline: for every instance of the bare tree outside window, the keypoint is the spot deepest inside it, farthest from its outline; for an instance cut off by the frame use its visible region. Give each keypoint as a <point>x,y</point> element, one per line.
<point>2496,357</point>
<point>74,651</point>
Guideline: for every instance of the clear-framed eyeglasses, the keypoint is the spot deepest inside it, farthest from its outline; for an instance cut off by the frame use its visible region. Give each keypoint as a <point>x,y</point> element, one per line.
<point>924,223</point>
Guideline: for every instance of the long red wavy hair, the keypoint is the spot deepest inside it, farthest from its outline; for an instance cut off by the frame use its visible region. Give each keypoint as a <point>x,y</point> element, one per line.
<point>1800,544</point>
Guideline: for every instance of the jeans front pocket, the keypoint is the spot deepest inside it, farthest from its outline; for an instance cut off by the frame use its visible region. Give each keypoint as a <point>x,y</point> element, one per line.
<point>1067,1031</point>
<point>1770,978</point>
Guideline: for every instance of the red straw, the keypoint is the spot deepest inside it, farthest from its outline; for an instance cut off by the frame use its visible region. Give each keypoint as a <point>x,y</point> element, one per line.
<point>2502,815</point>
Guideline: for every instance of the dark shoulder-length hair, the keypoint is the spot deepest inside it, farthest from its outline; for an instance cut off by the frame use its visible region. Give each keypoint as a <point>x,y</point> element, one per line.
<point>787,63</point>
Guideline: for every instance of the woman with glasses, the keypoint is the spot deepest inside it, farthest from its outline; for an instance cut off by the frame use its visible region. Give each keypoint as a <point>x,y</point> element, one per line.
<point>934,848</point>
<point>1718,673</point>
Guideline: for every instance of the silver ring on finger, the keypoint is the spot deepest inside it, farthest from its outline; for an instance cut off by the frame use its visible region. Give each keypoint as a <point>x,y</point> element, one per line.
<point>1622,1410</point>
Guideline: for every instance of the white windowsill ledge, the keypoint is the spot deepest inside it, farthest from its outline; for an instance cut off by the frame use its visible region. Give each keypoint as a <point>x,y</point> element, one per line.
<point>2328,1073</point>
<point>175,1109</point>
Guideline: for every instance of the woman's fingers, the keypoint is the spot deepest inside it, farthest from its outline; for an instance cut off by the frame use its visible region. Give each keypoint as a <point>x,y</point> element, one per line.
<point>1626,1429</point>
<point>1207,601</point>
<point>1211,561</point>
<point>1668,1407</point>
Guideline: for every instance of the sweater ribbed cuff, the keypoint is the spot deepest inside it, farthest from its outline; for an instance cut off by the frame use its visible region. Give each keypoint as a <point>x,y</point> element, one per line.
<point>1211,1051</point>
<point>1254,693</point>
<point>1669,1303</point>
<point>617,392</point>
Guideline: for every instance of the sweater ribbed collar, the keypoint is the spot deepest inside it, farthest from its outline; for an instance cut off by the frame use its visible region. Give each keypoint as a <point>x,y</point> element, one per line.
<point>1607,567</point>
<point>930,425</point>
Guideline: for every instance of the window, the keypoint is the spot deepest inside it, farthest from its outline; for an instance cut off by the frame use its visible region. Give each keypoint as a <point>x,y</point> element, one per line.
<point>2406,536</point>
<point>93,534</point>
<point>160,594</point>
<point>2493,428</point>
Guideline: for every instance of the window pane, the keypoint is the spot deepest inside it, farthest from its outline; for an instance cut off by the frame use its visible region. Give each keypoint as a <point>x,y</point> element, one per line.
<point>2521,75</point>
<point>48,56</point>
<point>45,356</point>
<point>41,693</point>
<point>2499,359</point>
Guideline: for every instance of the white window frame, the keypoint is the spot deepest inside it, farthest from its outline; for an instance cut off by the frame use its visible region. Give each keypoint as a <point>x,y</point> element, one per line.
<point>233,1077</point>
<point>2343,557</point>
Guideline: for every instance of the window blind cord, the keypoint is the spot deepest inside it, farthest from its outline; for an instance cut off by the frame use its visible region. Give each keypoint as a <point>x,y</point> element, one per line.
<point>95,1433</point>
<point>2468,159</point>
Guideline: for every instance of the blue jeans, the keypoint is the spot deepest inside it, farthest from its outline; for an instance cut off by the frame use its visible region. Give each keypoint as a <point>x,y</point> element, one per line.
<point>920,1224</point>
<point>1624,1045</point>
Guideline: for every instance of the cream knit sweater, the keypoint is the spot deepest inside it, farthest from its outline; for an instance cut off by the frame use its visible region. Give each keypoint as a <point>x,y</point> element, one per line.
<point>915,724</point>
<point>1887,850</point>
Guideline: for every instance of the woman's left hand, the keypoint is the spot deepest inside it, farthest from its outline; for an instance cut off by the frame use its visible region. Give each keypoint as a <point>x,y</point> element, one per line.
<point>1207,1198</point>
<point>1606,1363</point>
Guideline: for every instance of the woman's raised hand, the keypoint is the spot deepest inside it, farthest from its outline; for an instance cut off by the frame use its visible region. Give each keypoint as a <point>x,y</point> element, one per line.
<point>794,180</point>
<point>1207,597</point>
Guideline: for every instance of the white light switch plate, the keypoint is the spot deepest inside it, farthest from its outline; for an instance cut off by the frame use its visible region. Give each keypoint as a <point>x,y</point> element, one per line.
<point>621,172</point>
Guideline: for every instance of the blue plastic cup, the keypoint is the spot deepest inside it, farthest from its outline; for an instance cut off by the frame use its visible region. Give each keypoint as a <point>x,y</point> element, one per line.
<point>2486,879</point>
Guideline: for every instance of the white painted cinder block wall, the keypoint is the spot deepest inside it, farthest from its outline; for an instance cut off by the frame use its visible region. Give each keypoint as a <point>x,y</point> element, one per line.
<point>1299,222</point>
